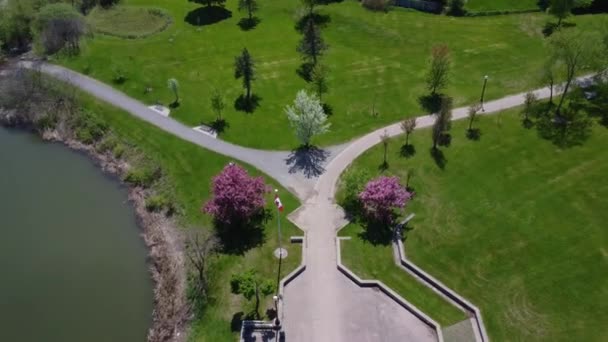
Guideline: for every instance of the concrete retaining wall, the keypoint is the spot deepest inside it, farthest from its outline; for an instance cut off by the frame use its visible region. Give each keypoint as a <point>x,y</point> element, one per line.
<point>386,290</point>
<point>428,280</point>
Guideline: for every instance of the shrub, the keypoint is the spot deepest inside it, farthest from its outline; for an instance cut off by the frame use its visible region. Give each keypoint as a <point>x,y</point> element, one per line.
<point>119,74</point>
<point>59,26</point>
<point>107,144</point>
<point>157,203</point>
<point>88,127</point>
<point>354,183</point>
<point>118,150</point>
<point>143,176</point>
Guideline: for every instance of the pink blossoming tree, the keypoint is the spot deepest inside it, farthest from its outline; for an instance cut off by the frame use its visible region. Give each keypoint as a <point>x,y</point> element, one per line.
<point>237,197</point>
<point>381,197</point>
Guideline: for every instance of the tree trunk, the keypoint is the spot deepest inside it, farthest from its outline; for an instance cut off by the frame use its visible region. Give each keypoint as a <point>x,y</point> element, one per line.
<point>407,138</point>
<point>248,93</point>
<point>471,123</point>
<point>385,149</point>
<point>559,22</point>
<point>551,92</point>
<point>561,101</point>
<point>250,15</point>
<point>257,301</point>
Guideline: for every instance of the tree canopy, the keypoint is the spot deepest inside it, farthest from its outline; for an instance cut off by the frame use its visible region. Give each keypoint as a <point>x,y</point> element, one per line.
<point>307,117</point>
<point>382,197</point>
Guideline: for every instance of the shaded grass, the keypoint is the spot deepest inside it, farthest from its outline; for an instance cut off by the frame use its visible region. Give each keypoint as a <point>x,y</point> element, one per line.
<point>188,170</point>
<point>380,56</point>
<point>127,21</point>
<point>371,261</point>
<point>514,224</point>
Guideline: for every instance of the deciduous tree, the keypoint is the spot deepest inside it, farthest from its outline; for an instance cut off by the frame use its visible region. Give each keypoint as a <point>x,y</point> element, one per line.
<point>217,104</point>
<point>382,197</point>
<point>201,245</point>
<point>408,126</point>
<point>438,76</point>
<point>244,67</point>
<point>251,285</point>
<point>307,117</point>
<point>576,51</point>
<point>237,197</point>
<point>59,26</point>
<point>529,106</point>
<point>443,122</point>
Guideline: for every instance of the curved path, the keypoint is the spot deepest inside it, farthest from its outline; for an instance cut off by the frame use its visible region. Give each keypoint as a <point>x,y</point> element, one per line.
<point>321,304</point>
<point>273,163</point>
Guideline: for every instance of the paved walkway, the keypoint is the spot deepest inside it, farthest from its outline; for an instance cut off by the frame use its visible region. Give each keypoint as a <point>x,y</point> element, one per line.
<point>321,304</point>
<point>273,163</point>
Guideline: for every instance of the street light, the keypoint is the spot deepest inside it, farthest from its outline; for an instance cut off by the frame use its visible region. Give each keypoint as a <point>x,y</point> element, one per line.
<point>277,322</point>
<point>483,91</point>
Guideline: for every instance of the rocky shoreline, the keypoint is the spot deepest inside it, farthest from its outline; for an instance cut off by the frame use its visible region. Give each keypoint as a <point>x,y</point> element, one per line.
<point>160,233</point>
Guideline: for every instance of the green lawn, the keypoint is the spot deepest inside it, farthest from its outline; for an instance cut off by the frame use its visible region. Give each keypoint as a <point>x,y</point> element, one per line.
<point>373,57</point>
<point>189,170</point>
<point>370,261</point>
<point>127,22</point>
<point>500,5</point>
<point>512,223</point>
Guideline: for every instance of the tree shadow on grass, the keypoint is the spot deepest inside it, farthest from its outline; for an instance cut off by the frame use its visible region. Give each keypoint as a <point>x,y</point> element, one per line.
<point>174,105</point>
<point>327,109</point>
<point>305,71</point>
<point>408,151</point>
<point>241,237</point>
<point>207,15</point>
<point>321,20</point>
<point>551,27</point>
<point>237,320</point>
<point>438,157</point>
<point>247,106</point>
<point>219,125</point>
<point>430,103</point>
<point>377,233</point>
<point>307,159</point>
<point>383,166</point>
<point>474,134</point>
<point>247,24</point>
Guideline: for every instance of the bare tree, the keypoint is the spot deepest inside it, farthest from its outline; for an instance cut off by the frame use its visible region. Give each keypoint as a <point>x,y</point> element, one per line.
<point>408,126</point>
<point>577,51</point>
<point>201,246</point>
<point>438,75</point>
<point>473,110</point>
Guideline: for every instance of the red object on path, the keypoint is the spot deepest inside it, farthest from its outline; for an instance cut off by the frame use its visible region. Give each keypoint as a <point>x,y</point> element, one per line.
<point>277,201</point>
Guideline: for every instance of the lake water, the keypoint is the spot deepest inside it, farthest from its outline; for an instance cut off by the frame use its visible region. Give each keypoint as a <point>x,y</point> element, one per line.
<point>72,263</point>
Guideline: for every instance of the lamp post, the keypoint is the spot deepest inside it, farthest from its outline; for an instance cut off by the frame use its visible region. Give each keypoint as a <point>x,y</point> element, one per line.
<point>277,322</point>
<point>483,91</point>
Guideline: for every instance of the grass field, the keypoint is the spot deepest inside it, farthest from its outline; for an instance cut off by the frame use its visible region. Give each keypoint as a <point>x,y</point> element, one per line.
<point>373,57</point>
<point>189,170</point>
<point>127,22</point>
<point>512,223</point>
<point>500,5</point>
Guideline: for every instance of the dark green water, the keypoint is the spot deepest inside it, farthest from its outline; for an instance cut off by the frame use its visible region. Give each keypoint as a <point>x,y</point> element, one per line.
<point>72,263</point>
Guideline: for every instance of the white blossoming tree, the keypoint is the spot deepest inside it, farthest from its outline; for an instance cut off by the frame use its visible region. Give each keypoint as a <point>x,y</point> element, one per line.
<point>307,117</point>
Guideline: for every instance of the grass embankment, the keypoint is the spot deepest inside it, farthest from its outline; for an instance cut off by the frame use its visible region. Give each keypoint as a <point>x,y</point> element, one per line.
<point>128,22</point>
<point>372,57</point>
<point>512,223</point>
<point>177,174</point>
<point>188,170</point>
